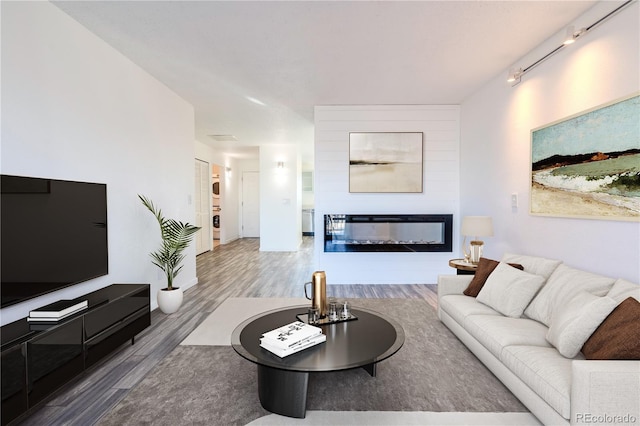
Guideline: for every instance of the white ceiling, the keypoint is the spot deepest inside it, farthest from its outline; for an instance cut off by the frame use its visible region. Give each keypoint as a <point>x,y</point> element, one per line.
<point>293,55</point>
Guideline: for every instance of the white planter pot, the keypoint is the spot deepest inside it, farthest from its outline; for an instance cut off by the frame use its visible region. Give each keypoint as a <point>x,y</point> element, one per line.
<point>169,301</point>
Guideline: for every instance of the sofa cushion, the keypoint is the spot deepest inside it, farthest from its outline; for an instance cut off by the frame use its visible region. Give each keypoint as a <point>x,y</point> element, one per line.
<point>573,323</point>
<point>622,289</point>
<point>561,287</point>
<point>618,337</point>
<point>459,307</point>
<point>545,371</point>
<point>509,290</point>
<point>497,332</point>
<point>532,264</point>
<point>484,269</point>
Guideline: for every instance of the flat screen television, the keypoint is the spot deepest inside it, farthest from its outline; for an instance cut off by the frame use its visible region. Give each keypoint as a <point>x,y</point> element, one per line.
<point>54,235</point>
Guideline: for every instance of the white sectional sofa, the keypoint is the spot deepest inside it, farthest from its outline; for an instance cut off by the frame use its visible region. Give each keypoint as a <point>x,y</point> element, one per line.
<point>529,326</point>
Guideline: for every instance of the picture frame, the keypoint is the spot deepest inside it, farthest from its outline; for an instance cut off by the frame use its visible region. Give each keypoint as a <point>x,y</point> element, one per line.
<point>385,162</point>
<point>588,165</point>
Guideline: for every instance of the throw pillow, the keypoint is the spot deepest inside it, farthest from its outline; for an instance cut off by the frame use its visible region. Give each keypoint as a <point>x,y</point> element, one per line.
<point>484,269</point>
<point>577,320</point>
<point>622,289</point>
<point>532,264</point>
<point>561,287</point>
<point>509,290</point>
<point>618,337</point>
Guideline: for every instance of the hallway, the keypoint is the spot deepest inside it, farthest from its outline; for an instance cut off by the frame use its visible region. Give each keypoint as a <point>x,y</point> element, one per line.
<point>239,269</point>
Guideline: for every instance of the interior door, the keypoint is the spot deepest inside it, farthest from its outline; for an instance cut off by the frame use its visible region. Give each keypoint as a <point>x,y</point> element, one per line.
<point>203,215</point>
<point>216,208</point>
<point>250,204</point>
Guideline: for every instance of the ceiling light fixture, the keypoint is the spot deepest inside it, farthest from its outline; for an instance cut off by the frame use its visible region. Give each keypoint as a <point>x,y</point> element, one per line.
<point>569,37</point>
<point>223,138</point>
<point>572,35</point>
<point>515,74</point>
<point>256,101</point>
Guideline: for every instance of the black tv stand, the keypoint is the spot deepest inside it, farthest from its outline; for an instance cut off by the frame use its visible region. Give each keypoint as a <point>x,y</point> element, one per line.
<point>38,359</point>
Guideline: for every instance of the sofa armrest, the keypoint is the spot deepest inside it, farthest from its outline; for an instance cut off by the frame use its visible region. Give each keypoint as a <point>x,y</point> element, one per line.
<point>605,392</point>
<point>452,284</point>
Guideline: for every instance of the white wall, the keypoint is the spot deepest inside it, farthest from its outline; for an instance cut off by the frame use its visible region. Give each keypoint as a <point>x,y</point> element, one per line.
<point>74,108</point>
<point>280,198</point>
<point>600,67</point>
<point>440,125</point>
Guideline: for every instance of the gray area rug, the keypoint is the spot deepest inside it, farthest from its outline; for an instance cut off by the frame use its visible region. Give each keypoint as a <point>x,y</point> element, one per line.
<point>213,385</point>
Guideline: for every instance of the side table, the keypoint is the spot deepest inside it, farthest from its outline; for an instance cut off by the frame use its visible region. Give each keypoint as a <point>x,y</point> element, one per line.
<point>462,267</point>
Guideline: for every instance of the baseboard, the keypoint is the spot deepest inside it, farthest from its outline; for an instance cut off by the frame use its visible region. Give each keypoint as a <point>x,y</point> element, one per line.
<point>231,239</point>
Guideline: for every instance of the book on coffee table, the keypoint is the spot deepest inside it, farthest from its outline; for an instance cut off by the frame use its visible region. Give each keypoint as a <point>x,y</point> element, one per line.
<point>304,344</point>
<point>291,334</point>
<point>292,338</point>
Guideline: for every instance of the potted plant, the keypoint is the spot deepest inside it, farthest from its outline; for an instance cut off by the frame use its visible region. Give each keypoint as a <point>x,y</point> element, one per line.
<point>176,237</point>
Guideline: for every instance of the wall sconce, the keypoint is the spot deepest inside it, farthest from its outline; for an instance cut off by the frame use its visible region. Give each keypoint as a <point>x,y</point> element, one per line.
<point>475,226</point>
<point>280,164</point>
<point>228,170</point>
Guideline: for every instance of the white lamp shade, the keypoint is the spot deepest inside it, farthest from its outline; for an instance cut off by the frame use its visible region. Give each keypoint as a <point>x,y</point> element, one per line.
<point>477,226</point>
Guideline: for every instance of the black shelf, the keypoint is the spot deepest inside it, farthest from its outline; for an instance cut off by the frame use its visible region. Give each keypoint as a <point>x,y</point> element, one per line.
<point>37,360</point>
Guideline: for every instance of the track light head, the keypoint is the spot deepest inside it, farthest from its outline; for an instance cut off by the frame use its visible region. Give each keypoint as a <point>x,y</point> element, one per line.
<point>514,76</point>
<point>569,37</point>
<point>572,35</point>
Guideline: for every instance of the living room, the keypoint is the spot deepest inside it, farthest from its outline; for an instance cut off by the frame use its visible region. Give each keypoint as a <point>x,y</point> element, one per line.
<point>75,108</point>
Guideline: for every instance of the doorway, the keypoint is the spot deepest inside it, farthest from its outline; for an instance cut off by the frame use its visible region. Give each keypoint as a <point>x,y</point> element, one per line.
<point>202,206</point>
<point>216,203</point>
<point>250,204</point>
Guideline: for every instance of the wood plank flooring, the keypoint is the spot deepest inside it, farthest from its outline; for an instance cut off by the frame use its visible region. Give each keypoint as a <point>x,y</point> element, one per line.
<point>237,269</point>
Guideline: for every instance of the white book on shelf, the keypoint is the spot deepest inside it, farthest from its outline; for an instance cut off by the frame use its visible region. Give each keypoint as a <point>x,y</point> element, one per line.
<point>59,309</point>
<point>283,352</point>
<point>290,334</point>
<point>53,319</point>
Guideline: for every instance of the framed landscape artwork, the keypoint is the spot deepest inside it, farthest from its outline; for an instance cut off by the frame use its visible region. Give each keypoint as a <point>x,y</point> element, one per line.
<point>588,165</point>
<point>385,162</point>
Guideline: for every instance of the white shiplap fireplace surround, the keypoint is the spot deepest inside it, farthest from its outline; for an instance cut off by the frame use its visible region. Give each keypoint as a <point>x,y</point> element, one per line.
<point>440,125</point>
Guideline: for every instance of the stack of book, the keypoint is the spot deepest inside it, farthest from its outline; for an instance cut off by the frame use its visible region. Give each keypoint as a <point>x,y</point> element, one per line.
<point>56,311</point>
<point>292,338</point>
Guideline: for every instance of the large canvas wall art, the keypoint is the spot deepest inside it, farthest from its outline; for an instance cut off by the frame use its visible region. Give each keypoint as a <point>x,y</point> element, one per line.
<point>588,165</point>
<point>385,162</point>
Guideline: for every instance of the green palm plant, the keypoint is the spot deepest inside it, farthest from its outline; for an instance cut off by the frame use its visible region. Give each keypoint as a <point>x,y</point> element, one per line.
<point>176,237</point>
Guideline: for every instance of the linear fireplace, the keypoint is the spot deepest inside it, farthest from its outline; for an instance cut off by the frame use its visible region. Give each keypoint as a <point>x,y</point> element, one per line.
<point>388,232</point>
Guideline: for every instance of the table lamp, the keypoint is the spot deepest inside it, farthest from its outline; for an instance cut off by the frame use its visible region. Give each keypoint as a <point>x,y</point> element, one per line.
<point>475,226</point>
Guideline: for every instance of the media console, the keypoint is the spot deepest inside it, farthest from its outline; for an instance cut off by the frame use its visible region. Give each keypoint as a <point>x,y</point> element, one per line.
<point>36,361</point>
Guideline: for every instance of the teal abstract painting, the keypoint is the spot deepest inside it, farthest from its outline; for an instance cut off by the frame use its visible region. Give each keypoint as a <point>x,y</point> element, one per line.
<point>588,165</point>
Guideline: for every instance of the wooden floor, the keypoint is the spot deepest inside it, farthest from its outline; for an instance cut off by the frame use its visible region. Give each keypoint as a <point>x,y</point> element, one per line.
<point>237,269</point>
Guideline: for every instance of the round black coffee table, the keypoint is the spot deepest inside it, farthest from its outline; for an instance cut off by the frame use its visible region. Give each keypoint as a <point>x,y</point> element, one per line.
<point>282,382</point>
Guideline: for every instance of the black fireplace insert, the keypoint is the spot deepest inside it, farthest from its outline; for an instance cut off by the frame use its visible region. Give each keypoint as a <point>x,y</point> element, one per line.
<point>388,232</point>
